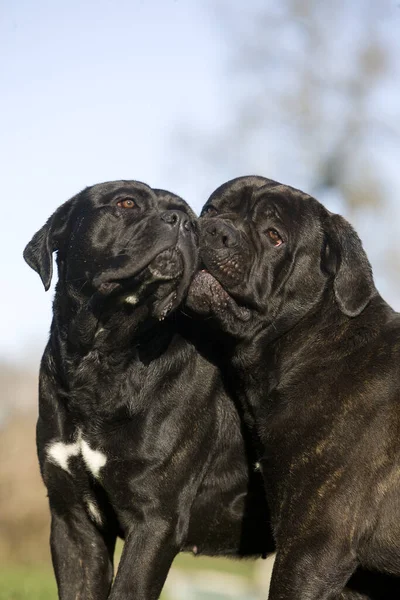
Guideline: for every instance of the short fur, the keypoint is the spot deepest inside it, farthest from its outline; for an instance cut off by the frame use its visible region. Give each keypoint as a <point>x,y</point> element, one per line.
<point>315,353</point>
<point>137,436</point>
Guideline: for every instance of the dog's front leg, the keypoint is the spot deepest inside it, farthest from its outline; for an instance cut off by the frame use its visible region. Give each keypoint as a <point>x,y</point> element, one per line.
<point>82,556</point>
<point>312,572</point>
<point>149,550</point>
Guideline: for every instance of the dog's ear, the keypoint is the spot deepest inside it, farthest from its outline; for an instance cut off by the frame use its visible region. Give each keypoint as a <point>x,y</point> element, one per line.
<point>345,257</point>
<point>39,252</point>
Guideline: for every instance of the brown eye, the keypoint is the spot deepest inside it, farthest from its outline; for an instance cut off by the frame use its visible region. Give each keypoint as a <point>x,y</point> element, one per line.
<point>274,237</point>
<point>127,203</point>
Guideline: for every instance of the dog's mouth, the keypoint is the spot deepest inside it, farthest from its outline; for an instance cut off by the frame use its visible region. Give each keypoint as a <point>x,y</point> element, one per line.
<point>161,283</point>
<point>207,296</point>
<point>167,265</point>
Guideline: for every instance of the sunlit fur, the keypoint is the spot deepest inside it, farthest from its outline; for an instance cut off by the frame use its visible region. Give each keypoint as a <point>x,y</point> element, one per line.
<point>314,352</point>
<point>137,435</point>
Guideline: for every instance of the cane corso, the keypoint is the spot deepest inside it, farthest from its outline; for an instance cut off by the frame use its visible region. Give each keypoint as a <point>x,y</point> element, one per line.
<point>137,436</point>
<point>315,354</point>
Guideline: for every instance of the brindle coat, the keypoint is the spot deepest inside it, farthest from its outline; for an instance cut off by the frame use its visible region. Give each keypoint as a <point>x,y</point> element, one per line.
<point>315,353</point>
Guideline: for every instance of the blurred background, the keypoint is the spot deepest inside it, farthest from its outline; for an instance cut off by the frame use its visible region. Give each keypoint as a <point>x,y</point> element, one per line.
<point>184,95</point>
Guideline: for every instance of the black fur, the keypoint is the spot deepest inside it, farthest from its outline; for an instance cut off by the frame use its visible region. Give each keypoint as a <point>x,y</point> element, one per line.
<point>120,375</point>
<point>315,353</point>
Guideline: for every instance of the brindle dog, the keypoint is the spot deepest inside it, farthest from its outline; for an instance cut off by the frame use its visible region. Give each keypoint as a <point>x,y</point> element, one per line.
<point>315,354</point>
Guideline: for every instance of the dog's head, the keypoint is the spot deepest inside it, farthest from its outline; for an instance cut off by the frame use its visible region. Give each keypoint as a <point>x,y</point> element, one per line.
<point>119,240</point>
<point>270,252</point>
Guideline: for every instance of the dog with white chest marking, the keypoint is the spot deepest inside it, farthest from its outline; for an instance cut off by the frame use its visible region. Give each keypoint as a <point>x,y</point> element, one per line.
<point>137,436</point>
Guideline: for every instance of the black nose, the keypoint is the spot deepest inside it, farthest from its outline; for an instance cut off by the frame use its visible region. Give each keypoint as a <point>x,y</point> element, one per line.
<point>220,235</point>
<point>177,218</point>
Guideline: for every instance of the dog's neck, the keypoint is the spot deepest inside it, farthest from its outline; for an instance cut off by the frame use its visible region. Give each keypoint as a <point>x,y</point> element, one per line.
<point>127,348</point>
<point>106,332</point>
<point>279,351</point>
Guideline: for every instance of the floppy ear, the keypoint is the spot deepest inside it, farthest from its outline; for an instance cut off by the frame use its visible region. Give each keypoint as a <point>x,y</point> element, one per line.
<point>39,252</point>
<point>353,283</point>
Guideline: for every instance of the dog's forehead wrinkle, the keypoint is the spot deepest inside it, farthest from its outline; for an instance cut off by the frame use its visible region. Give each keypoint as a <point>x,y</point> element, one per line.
<point>177,204</point>
<point>283,194</point>
<point>112,186</point>
<point>106,192</point>
<point>239,185</point>
<point>236,194</point>
<point>300,215</point>
<point>169,201</point>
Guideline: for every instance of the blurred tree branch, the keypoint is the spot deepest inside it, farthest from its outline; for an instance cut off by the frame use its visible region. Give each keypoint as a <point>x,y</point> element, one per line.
<point>310,95</point>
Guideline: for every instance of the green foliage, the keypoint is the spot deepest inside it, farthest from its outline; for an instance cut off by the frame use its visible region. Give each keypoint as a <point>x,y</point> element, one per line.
<point>38,583</point>
<point>23,583</point>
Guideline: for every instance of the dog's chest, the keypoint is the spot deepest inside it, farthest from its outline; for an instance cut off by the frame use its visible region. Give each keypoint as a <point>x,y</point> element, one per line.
<point>60,453</point>
<point>110,388</point>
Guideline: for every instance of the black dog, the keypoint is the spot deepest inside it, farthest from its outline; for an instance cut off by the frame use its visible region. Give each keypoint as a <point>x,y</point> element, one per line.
<point>316,356</point>
<point>136,435</point>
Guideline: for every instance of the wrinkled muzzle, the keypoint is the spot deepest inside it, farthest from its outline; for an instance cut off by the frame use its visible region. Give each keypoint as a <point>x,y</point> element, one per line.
<point>157,266</point>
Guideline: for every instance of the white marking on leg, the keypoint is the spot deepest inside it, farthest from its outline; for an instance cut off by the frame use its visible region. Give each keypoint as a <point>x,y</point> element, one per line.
<point>58,453</point>
<point>94,459</point>
<point>93,511</point>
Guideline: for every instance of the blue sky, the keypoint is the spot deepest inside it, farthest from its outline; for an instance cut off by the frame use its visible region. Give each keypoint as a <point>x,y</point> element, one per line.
<point>100,90</point>
<point>92,91</point>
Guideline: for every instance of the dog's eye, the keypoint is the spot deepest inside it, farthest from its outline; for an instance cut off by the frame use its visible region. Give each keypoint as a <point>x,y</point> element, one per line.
<point>126,203</point>
<point>274,237</point>
<point>209,211</point>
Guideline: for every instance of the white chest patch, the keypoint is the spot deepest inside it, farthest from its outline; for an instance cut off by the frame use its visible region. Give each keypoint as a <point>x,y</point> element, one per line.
<point>59,453</point>
<point>94,459</point>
